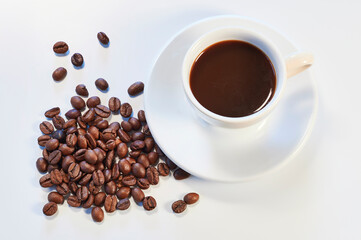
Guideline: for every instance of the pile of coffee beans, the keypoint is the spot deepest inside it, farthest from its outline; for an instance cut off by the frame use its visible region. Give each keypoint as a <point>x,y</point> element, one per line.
<point>92,163</point>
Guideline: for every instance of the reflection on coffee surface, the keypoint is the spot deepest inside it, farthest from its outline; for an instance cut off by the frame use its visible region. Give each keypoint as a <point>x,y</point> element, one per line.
<point>233,78</point>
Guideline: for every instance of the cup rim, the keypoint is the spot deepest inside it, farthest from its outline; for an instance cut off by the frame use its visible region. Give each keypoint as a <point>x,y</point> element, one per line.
<point>279,71</point>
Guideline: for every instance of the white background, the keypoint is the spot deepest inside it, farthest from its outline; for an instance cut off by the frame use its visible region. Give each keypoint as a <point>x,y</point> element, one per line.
<point>315,196</point>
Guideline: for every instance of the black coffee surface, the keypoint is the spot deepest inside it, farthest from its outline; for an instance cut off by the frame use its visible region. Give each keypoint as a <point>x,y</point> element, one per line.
<point>233,78</point>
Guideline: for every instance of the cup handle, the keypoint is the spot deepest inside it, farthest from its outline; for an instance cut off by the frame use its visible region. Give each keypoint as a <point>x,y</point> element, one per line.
<point>298,62</point>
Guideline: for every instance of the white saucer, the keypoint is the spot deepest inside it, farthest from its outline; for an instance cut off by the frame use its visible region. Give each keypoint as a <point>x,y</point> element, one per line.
<point>217,153</point>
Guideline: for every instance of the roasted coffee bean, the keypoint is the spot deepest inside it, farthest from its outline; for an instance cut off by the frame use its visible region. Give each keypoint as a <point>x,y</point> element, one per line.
<point>138,170</point>
<point>123,192</point>
<point>77,178</point>
<point>60,47</point>
<point>69,123</point>
<point>126,110</point>
<point>170,164</point>
<point>141,116</point>
<point>85,179</point>
<point>136,88</point>
<point>99,199</point>
<point>159,151</point>
<point>101,84</point>
<point>52,144</point>
<point>90,141</point>
<point>122,150</point>
<point>123,204</point>
<point>110,145</point>
<point>123,136</point>
<point>59,74</point>
<point>94,131</point>
<point>143,159</point>
<point>73,201</point>
<point>60,135</point>
<point>103,124</point>
<point>89,202</point>
<point>46,127</point>
<point>114,126</point>
<point>52,112</point>
<point>110,188</point>
<point>102,111</point>
<point>89,115</point>
<point>152,175</point>
<point>58,122</point>
<point>137,194</point>
<point>107,175</point>
<point>45,181</point>
<point>149,144</point>
<point>115,172</point>
<point>66,162</point>
<point>94,189</point>
<point>81,123</point>
<point>137,145</point>
<point>129,180</point>
<point>110,203</point>
<point>101,154</point>
<point>149,203</point>
<point>65,176</point>
<point>146,130</point>
<point>72,130</point>
<point>180,174</point>
<point>143,183</point>
<point>114,104</point>
<point>191,198</point>
<point>130,160</point>
<point>55,197</point>
<point>73,187</point>
<point>71,140</point>
<point>50,208</point>
<point>62,188</point>
<point>77,102</point>
<point>103,38</point>
<point>124,166</point>
<point>99,166</point>
<point>135,154</point>
<point>55,177</point>
<point>179,206</point>
<point>90,156</point>
<point>72,114</point>
<point>98,178</point>
<point>83,193</point>
<point>136,125</point>
<point>109,159</point>
<point>126,126</point>
<point>41,165</point>
<point>55,157</point>
<point>66,150</point>
<point>43,139</point>
<point>77,60</point>
<point>80,154</point>
<point>45,154</point>
<point>97,214</point>
<point>138,136</point>
<point>86,167</point>
<point>51,167</point>
<point>92,102</point>
<point>81,90</point>
<point>74,170</point>
<point>163,169</point>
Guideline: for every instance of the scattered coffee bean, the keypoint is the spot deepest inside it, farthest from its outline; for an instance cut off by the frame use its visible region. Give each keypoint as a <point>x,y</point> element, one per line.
<point>122,150</point>
<point>152,175</point>
<point>137,145</point>
<point>180,174</point>
<point>45,181</point>
<point>72,114</point>
<point>110,188</point>
<point>50,208</point>
<point>59,74</point>
<point>59,135</point>
<point>123,192</point>
<point>138,170</point>
<point>89,202</point>
<point>41,165</point>
<point>58,122</point>
<point>170,164</point>
<point>179,206</point>
<point>153,158</point>
<point>55,157</point>
<point>137,194</point>
<point>143,183</point>
<point>73,201</point>
<point>147,131</point>
<point>77,60</point>
<point>52,112</point>
<point>102,111</point>
<point>136,125</point>
<point>123,204</point>
<point>60,47</point>
<point>81,90</point>
<point>163,169</point>
<point>92,102</point>
<point>46,127</point>
<point>63,188</point>
<point>77,102</point>
<point>101,84</point>
<point>99,199</point>
<point>55,177</point>
<point>129,180</point>
<point>141,116</point>
<point>191,198</point>
<point>103,38</point>
<point>126,110</point>
<point>97,214</point>
<point>83,193</point>
<point>149,203</point>
<point>110,203</point>
<point>149,144</point>
<point>136,88</point>
<point>52,144</point>
<point>114,104</point>
<point>43,139</point>
<point>143,159</point>
<point>56,198</point>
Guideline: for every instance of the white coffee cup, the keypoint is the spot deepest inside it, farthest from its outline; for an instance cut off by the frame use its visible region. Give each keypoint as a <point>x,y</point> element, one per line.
<point>284,68</point>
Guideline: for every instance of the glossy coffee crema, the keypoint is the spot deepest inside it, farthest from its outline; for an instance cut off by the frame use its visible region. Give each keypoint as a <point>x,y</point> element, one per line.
<point>233,78</point>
